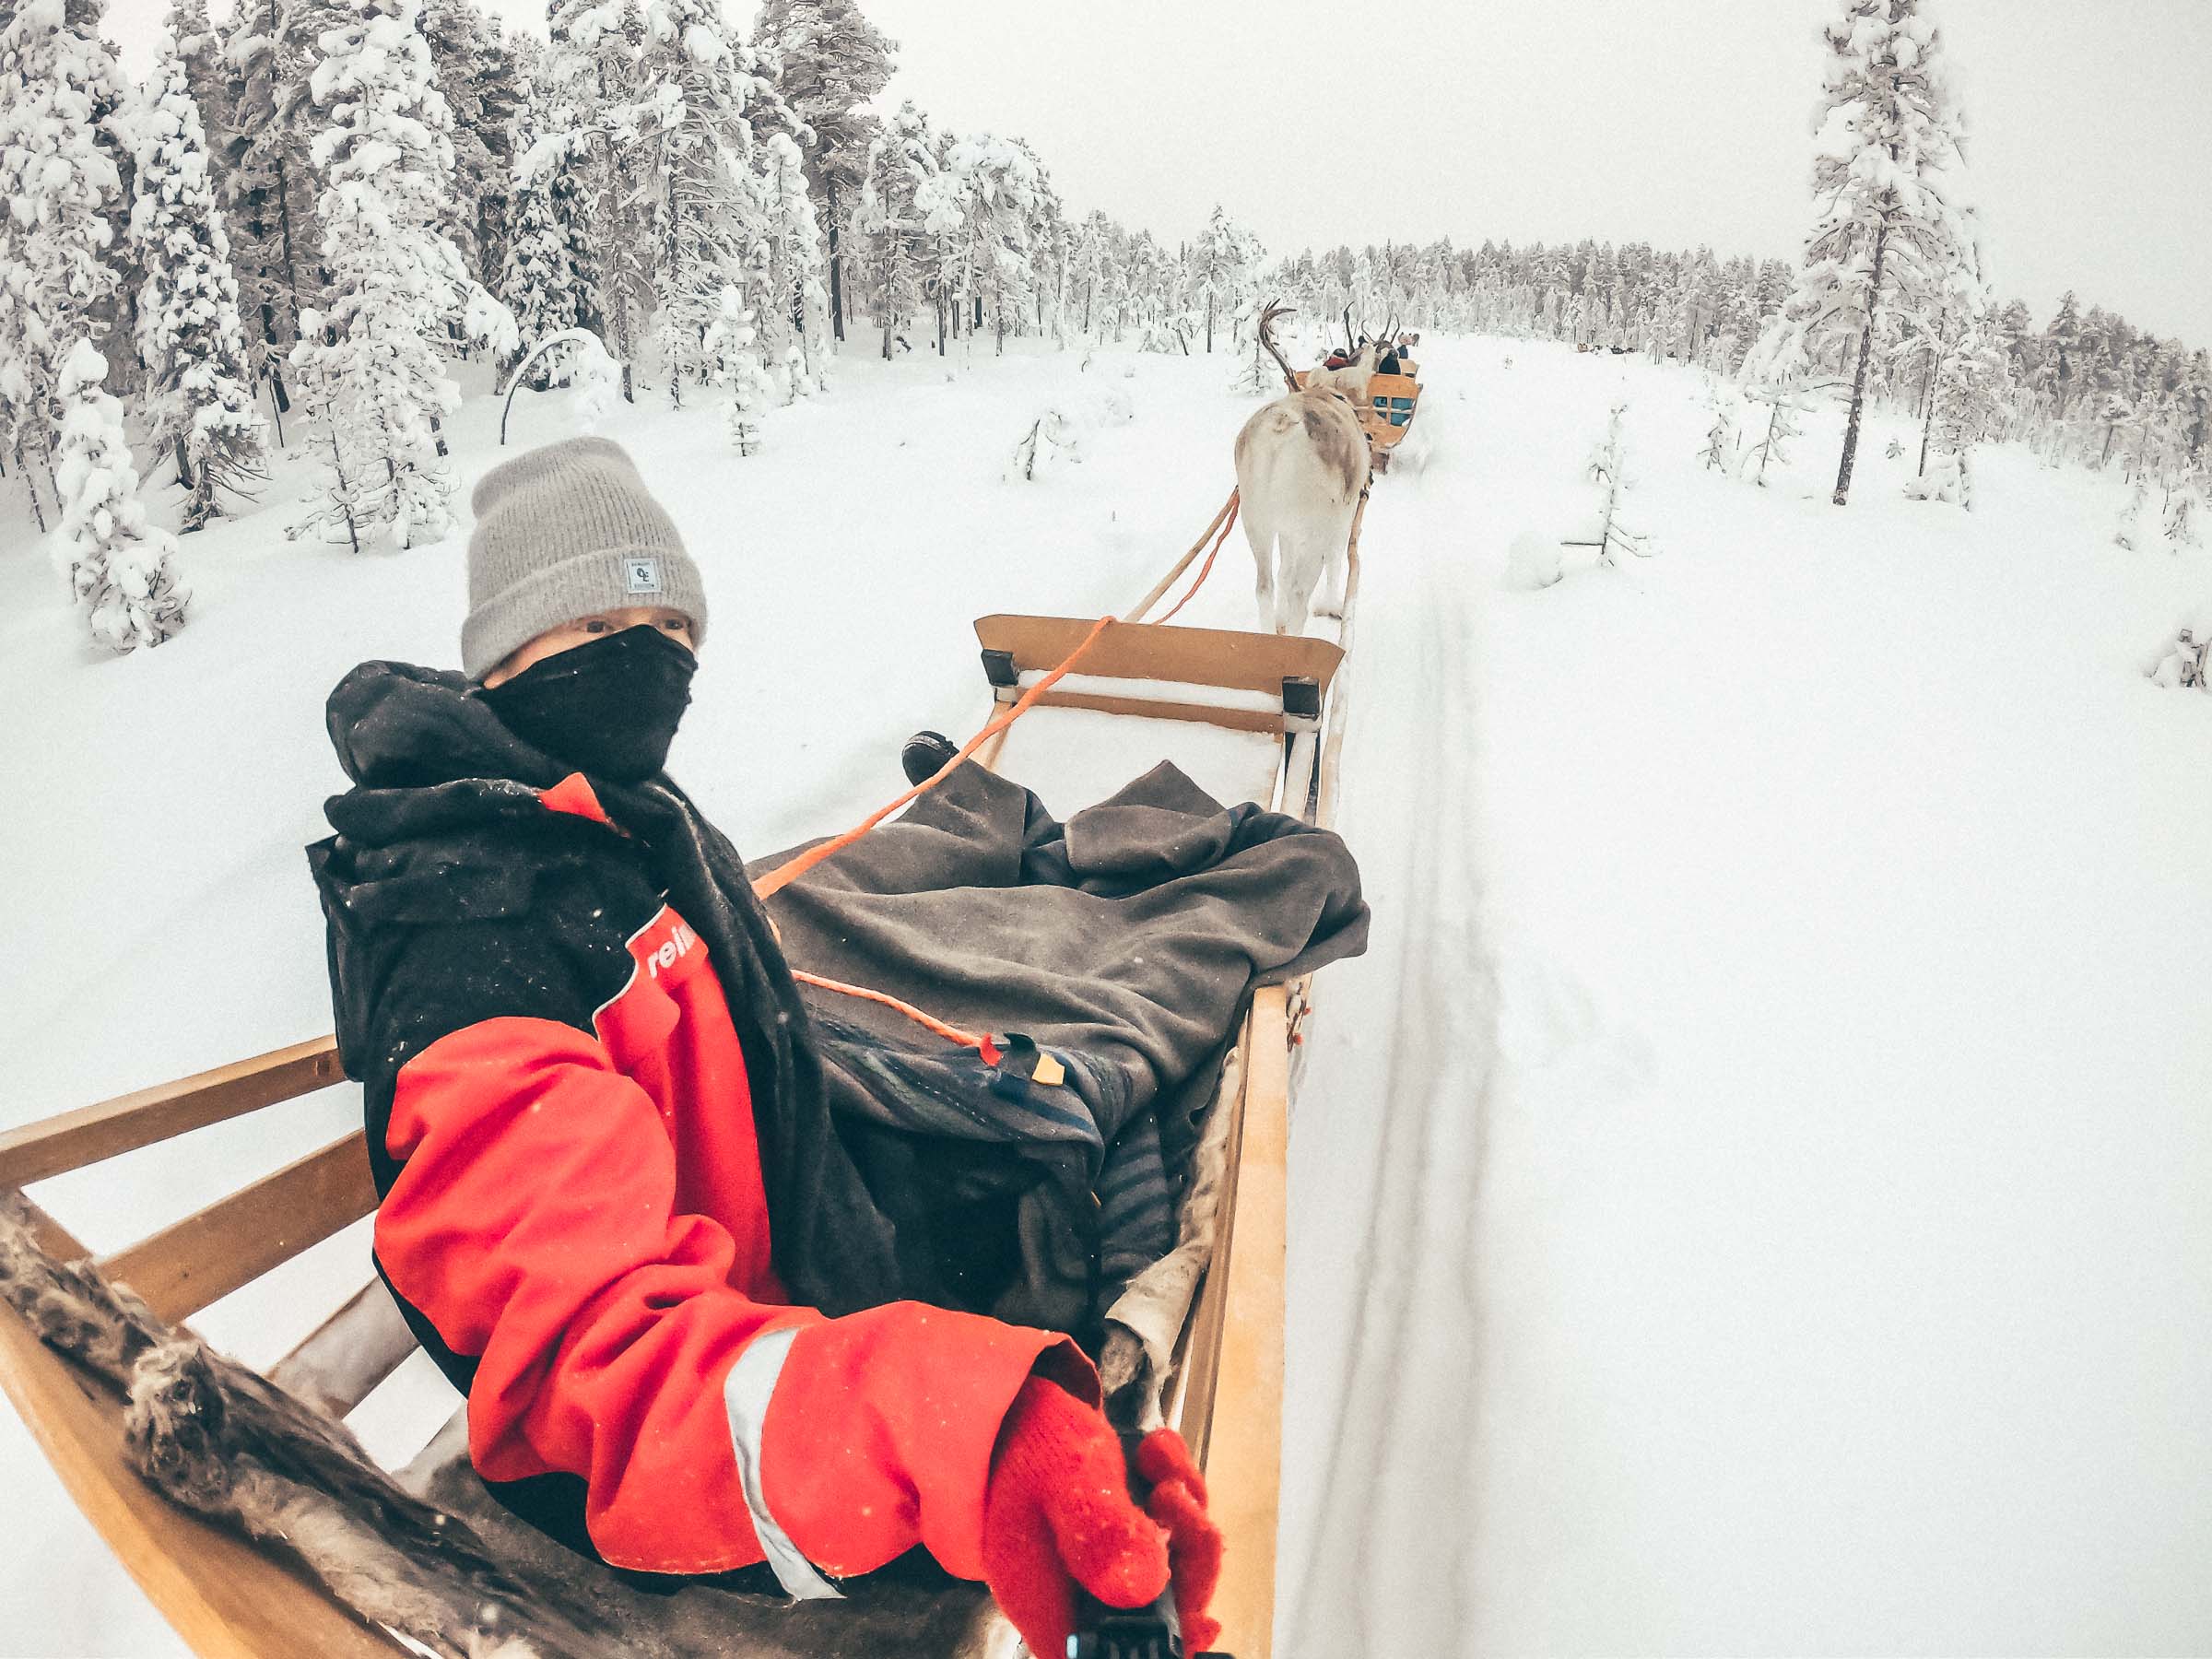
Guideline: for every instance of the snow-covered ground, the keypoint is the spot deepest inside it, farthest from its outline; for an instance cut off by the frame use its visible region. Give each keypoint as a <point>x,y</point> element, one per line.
<point>1750,1197</point>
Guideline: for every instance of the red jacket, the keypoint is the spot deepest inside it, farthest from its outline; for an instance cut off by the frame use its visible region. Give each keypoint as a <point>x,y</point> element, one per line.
<point>574,1209</point>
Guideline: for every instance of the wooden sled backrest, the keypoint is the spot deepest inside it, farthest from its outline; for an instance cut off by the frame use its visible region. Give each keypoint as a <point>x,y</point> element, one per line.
<point>226,1246</point>
<point>233,1242</point>
<point>1391,399</point>
<point>1253,664</point>
<point>224,1596</point>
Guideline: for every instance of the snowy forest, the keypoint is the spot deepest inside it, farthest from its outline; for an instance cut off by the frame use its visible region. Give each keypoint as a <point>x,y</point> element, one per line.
<point>288,232</point>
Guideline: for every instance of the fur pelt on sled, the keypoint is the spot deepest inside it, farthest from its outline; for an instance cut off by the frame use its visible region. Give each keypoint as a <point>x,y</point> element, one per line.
<point>454,1573</point>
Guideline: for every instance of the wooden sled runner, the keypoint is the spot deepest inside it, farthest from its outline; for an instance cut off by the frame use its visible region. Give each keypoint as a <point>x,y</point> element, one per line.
<point>227,1597</point>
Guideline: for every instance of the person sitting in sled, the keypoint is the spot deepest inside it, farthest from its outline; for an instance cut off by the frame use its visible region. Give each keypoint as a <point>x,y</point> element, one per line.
<point>576,1118</point>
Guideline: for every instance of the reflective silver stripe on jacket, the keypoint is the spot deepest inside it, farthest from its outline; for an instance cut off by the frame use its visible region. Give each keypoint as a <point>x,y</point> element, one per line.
<point>746,1395</point>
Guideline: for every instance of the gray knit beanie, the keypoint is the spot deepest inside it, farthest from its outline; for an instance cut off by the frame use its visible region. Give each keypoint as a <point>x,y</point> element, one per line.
<point>562,533</point>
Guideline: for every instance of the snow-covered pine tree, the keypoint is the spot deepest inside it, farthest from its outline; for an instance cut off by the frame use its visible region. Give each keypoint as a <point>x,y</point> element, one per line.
<point>1121,295</point>
<point>1778,372</point>
<point>1968,386</point>
<point>2115,410</point>
<point>489,325</point>
<point>1705,296</point>
<point>1157,291</point>
<point>474,68</point>
<point>1659,322</point>
<point>798,350</point>
<point>200,49</point>
<point>1123,282</point>
<point>456,35</point>
<point>1087,265</point>
<point>199,400</point>
<point>702,196</point>
<point>2062,351</point>
<point>833,62</point>
<point>1217,268</point>
<point>2129,532</point>
<point>2156,430</point>
<point>598,382</point>
<point>266,177</point>
<point>60,185</point>
<point>544,280</point>
<point>590,74</point>
<point>997,182</point>
<point>1949,337</point>
<point>1723,443</point>
<point>373,363</point>
<point>733,361</point>
<point>1887,228</point>
<point>945,240</point>
<point>2183,524</point>
<point>901,205</point>
<point>504,77</point>
<point>119,563</point>
<point>2193,412</point>
<point>1051,242</point>
<point>2016,329</point>
<point>1607,469</point>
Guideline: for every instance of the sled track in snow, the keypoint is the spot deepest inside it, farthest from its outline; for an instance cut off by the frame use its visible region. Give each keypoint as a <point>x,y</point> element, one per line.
<point>1389,1566</point>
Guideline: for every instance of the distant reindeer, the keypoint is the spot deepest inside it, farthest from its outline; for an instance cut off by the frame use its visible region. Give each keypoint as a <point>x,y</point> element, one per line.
<point>1301,462</point>
<point>1350,377</point>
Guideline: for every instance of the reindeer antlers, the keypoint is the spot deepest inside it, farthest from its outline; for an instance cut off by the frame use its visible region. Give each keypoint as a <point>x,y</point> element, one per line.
<point>1267,317</point>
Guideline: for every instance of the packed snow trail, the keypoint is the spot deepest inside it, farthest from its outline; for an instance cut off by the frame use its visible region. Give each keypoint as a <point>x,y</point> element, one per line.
<point>1388,1139</point>
<point>1391,1117</point>
<point>1749,1179</point>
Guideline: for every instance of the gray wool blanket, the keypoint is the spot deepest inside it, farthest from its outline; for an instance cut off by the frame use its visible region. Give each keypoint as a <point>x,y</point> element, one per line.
<point>1124,944</point>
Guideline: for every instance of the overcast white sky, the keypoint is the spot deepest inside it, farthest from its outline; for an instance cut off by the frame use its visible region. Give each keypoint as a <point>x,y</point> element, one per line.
<point>1675,122</point>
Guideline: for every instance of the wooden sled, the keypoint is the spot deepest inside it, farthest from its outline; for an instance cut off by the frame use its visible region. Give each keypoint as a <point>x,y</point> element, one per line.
<point>225,1596</point>
<point>1391,402</point>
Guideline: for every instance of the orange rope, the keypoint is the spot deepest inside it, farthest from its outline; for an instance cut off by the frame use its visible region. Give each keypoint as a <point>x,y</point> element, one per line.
<point>783,875</point>
<point>1136,612</point>
<point>951,1033</point>
<point>1235,505</point>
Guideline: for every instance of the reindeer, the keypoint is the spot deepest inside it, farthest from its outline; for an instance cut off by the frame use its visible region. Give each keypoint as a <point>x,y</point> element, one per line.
<point>1301,465</point>
<point>1350,377</point>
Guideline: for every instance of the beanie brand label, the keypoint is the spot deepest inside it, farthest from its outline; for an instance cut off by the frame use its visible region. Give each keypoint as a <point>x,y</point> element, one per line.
<point>642,575</point>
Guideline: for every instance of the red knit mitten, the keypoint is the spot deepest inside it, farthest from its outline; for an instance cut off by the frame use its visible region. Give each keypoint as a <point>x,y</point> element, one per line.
<point>1057,1516</point>
<point>1178,1504</point>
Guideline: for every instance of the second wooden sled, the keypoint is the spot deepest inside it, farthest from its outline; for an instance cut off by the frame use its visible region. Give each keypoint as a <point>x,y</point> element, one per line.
<point>1391,400</point>
<point>226,1597</point>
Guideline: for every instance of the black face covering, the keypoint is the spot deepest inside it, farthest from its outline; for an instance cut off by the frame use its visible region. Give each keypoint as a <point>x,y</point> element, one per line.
<point>611,708</point>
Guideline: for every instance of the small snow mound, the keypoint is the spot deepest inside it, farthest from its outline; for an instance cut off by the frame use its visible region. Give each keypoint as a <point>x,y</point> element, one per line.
<point>1533,561</point>
<point>2180,662</point>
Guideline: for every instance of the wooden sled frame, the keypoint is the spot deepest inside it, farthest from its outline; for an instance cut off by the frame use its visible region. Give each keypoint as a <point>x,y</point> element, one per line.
<point>1392,400</point>
<point>228,1599</point>
<point>1232,1340</point>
